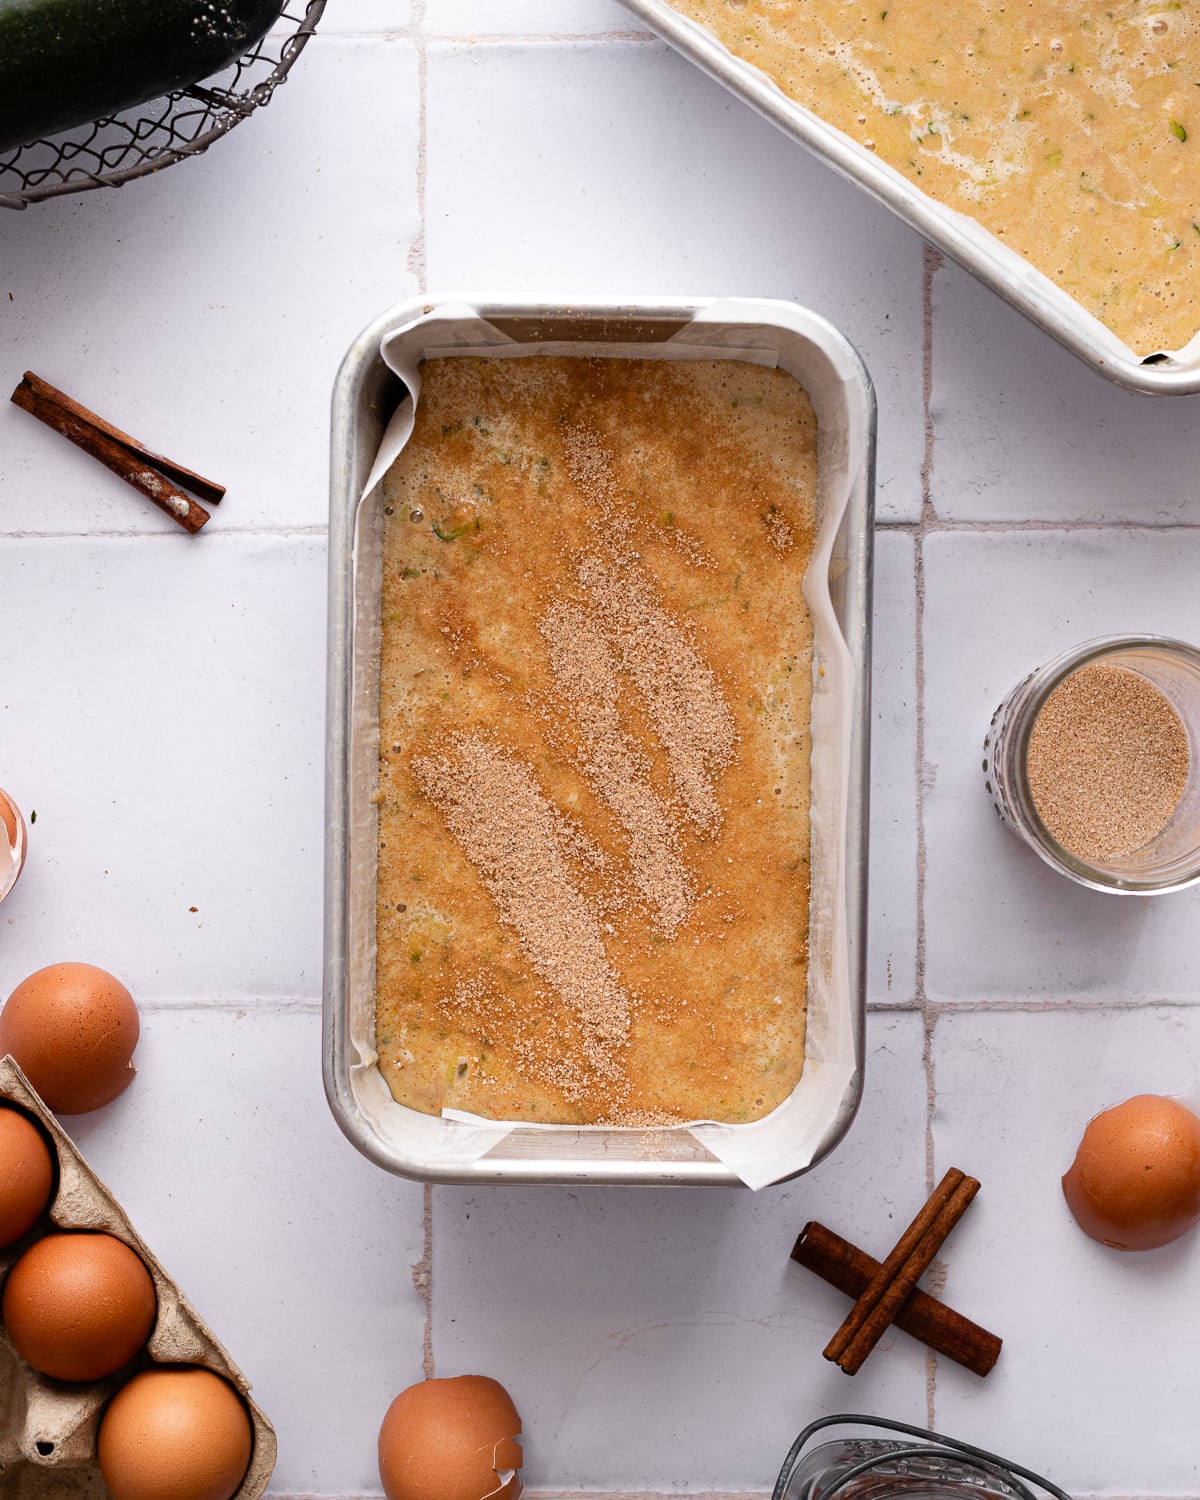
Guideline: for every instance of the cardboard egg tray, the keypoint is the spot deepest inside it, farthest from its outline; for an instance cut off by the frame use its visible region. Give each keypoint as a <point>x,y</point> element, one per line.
<point>48,1427</point>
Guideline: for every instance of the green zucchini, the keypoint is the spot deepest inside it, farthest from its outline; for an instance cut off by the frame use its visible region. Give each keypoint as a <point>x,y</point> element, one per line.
<point>65,62</point>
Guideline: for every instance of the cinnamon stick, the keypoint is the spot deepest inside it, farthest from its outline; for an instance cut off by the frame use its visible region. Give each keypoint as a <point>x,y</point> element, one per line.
<point>147,472</point>
<point>934,1324</point>
<point>914,1267</point>
<point>890,1268</point>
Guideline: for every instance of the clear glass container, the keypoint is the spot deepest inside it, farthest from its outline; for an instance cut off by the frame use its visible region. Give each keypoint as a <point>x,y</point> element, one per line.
<point>916,1464</point>
<point>12,843</point>
<point>1170,861</point>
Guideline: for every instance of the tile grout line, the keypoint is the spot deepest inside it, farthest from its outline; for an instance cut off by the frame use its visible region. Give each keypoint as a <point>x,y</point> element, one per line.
<point>938,525</point>
<point>422,1278</point>
<point>1065,1005</point>
<point>415,33</point>
<point>930,262</point>
<point>121,535</point>
<point>257,1005</point>
<point>501,38</point>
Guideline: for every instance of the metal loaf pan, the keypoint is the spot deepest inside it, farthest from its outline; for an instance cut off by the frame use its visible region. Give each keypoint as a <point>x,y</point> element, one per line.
<point>975,248</point>
<point>366,397</point>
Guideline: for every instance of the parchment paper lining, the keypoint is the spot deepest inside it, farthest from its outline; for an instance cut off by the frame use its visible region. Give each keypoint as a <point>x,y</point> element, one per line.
<point>786,1140</point>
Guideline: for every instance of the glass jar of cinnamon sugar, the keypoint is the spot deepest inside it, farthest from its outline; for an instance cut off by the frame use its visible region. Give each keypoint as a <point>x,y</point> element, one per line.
<point>1094,760</point>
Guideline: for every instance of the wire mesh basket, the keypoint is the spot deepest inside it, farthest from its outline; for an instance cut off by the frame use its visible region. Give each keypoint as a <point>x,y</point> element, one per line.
<point>112,151</point>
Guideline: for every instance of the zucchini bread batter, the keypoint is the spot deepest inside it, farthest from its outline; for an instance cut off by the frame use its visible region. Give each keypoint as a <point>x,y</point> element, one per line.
<point>1070,131</point>
<point>596,675</point>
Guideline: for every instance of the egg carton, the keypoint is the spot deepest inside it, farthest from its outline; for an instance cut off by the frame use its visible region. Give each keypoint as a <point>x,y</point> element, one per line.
<point>48,1427</point>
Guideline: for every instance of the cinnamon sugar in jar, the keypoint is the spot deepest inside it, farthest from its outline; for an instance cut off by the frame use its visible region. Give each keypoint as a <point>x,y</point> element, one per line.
<point>1093,761</point>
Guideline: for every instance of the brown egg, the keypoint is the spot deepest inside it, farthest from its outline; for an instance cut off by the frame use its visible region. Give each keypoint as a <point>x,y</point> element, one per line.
<point>451,1440</point>
<point>26,1175</point>
<point>175,1433</point>
<point>1135,1180</point>
<point>72,1028</point>
<point>78,1306</point>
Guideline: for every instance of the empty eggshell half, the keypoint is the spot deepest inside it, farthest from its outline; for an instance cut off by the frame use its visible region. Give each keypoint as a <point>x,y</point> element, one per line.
<point>72,1029</point>
<point>1135,1180</point>
<point>12,843</point>
<point>451,1439</point>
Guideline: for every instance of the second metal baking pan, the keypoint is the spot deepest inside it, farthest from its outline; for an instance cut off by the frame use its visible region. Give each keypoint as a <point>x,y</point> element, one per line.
<point>961,238</point>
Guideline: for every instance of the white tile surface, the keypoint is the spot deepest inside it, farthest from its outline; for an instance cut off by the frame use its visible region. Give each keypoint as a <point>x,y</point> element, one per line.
<point>602,1305</point>
<point>463,18</point>
<point>691,195</point>
<point>161,713</point>
<point>1081,1391</point>
<point>290,1245</point>
<point>349,16</point>
<point>999,922</point>
<point>1025,431</point>
<point>206,309</point>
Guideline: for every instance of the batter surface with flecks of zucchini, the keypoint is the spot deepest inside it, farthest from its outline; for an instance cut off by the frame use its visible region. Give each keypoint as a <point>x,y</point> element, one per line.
<point>1070,131</point>
<point>595,685</point>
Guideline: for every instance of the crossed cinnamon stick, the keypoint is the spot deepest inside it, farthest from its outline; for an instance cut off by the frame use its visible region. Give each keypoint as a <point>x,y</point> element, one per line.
<point>887,1293</point>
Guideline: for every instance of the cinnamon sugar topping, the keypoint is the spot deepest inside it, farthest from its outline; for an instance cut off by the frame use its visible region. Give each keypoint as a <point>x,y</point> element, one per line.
<point>681,692</point>
<point>514,838</point>
<point>620,772</point>
<point>589,464</point>
<point>591,907</point>
<point>1108,761</point>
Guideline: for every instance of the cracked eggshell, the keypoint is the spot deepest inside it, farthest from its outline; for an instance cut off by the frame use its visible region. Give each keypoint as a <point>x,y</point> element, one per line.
<point>72,1028</point>
<point>451,1439</point>
<point>48,1430</point>
<point>1135,1180</point>
<point>12,843</point>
